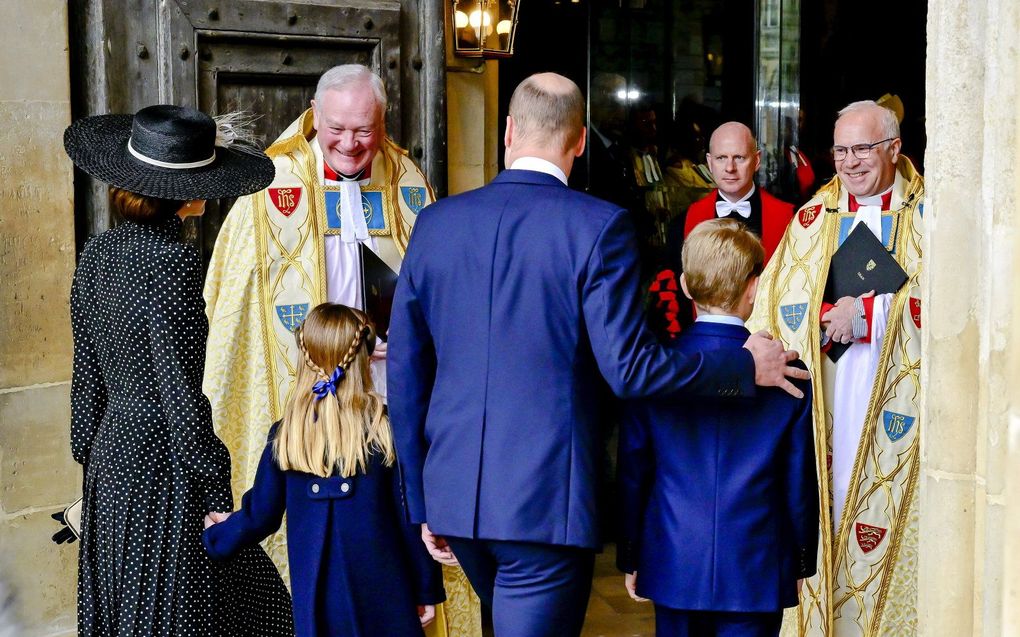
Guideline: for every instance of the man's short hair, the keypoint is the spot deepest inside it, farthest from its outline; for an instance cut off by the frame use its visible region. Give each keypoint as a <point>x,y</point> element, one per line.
<point>890,126</point>
<point>545,117</point>
<point>346,75</point>
<point>720,257</point>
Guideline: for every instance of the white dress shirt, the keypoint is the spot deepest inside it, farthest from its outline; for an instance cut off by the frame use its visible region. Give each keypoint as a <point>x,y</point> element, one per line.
<point>539,165</point>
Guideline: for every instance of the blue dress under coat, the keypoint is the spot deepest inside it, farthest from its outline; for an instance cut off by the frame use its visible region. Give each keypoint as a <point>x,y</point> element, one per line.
<point>357,570</point>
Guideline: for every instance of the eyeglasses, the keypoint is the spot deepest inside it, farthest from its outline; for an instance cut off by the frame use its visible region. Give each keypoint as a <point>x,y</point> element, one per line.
<point>860,151</point>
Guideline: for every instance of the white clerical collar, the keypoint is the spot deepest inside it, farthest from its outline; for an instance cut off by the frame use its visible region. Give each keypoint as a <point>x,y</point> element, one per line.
<point>539,165</point>
<point>874,200</point>
<point>725,319</point>
<point>742,199</point>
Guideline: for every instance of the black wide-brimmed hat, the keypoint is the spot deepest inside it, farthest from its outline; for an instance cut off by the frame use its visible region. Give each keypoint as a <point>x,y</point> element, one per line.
<point>169,152</point>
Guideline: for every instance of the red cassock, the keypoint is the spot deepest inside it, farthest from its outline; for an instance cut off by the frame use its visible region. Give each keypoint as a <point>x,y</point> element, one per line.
<point>776,214</point>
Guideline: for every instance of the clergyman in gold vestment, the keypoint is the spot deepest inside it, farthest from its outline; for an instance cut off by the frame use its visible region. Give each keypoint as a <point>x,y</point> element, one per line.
<point>341,184</point>
<point>866,411</point>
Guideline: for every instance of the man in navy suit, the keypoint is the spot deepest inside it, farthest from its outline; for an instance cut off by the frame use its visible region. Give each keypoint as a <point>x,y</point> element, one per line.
<point>719,498</point>
<point>513,299</point>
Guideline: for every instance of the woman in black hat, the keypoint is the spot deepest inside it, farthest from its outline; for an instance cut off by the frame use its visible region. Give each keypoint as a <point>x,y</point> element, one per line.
<point>140,426</point>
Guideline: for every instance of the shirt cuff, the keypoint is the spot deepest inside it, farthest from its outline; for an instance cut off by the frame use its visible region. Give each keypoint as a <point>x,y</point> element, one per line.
<point>859,323</point>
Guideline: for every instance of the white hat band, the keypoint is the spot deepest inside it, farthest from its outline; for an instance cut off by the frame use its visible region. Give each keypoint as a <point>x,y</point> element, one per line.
<point>168,164</point>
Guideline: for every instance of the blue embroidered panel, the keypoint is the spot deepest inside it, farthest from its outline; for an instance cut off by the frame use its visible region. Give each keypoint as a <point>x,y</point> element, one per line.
<point>292,316</point>
<point>414,197</point>
<point>896,425</point>
<point>371,207</point>
<point>846,223</point>
<point>793,314</point>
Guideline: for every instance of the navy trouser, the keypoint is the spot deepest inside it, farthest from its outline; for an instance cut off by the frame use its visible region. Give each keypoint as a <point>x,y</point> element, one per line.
<point>670,622</point>
<point>534,590</point>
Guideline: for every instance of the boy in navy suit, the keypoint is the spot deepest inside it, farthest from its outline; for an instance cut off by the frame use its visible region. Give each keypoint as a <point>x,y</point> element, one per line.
<point>720,498</point>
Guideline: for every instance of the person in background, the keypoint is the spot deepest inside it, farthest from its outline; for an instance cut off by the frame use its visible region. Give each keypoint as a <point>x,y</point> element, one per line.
<point>733,157</point>
<point>867,403</point>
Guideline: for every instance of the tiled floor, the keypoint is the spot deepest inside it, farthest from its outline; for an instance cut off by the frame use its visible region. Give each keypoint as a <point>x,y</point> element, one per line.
<point>611,612</point>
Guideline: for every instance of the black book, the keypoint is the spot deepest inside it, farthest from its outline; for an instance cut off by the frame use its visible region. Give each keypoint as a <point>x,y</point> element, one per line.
<point>379,282</point>
<point>860,265</point>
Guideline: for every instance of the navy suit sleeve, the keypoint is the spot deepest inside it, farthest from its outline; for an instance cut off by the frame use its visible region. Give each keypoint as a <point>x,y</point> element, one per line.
<point>411,374</point>
<point>631,360</point>
<point>802,486</point>
<point>426,573</point>
<point>261,511</point>
<point>635,468</point>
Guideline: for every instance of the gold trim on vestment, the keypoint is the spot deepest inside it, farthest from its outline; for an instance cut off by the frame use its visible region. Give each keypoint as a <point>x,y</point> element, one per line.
<point>262,232</point>
<point>881,394</point>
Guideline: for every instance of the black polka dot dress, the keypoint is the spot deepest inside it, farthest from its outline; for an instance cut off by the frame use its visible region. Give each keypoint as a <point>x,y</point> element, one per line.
<point>142,431</point>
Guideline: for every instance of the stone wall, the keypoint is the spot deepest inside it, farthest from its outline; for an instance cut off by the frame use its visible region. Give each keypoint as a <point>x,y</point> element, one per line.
<point>472,90</point>
<point>37,474</point>
<point>970,465</point>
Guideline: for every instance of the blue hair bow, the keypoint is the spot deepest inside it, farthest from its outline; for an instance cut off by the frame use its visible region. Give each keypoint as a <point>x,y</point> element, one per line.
<point>325,387</point>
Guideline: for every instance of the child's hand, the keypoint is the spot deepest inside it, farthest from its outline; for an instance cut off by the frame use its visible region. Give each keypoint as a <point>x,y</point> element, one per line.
<point>437,547</point>
<point>215,517</point>
<point>427,614</point>
<point>630,583</point>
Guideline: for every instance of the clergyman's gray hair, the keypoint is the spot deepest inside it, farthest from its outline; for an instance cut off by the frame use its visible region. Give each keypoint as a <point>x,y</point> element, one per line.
<point>890,127</point>
<point>541,114</point>
<point>345,75</point>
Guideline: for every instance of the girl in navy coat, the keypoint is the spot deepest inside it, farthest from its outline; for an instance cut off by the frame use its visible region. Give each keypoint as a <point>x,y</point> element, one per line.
<point>357,570</point>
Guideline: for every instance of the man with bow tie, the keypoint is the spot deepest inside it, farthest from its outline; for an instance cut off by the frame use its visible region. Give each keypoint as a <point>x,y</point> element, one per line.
<point>733,158</point>
<point>343,189</point>
<point>866,409</point>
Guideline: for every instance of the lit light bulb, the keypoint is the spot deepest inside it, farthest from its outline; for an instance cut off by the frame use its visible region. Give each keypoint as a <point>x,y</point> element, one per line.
<point>621,94</point>
<point>478,18</point>
<point>460,20</point>
<point>503,27</point>
<point>633,94</point>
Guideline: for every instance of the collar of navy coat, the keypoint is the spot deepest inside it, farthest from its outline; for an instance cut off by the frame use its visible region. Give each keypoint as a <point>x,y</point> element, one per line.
<point>720,330</point>
<point>533,177</point>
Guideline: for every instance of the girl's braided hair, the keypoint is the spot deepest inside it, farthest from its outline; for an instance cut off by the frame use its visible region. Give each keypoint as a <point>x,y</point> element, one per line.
<point>333,421</point>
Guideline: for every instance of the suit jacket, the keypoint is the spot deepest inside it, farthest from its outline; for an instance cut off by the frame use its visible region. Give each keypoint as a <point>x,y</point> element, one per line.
<point>775,215</point>
<point>356,568</point>
<point>720,499</point>
<point>512,300</point>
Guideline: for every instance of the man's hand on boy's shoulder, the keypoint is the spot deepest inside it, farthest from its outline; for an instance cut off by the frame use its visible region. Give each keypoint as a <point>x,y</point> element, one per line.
<point>773,364</point>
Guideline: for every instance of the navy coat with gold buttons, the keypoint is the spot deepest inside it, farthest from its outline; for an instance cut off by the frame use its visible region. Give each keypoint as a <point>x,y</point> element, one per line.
<point>357,570</point>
